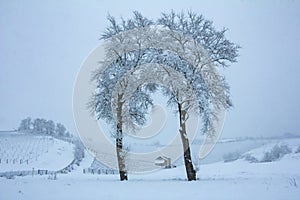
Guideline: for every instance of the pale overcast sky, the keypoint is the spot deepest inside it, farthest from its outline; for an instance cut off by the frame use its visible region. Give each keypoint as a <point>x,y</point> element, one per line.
<point>43,44</point>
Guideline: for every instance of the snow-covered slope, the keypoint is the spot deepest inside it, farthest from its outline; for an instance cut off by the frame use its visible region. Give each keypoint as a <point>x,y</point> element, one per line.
<point>23,151</point>
<point>239,179</point>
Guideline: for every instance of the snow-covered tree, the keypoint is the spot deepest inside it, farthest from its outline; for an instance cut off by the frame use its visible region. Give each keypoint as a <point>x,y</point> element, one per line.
<point>43,126</point>
<point>60,130</point>
<point>50,127</point>
<point>43,123</point>
<point>38,125</point>
<point>79,150</point>
<point>186,44</point>
<point>220,52</point>
<point>108,75</point>
<point>68,134</point>
<point>25,124</point>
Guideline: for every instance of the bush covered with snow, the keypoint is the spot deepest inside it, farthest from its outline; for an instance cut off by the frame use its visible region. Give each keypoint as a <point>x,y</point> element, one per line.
<point>276,153</point>
<point>268,153</point>
<point>251,158</point>
<point>298,150</point>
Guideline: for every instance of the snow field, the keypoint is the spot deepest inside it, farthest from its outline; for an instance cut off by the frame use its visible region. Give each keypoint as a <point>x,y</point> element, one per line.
<point>239,179</point>
<point>26,151</point>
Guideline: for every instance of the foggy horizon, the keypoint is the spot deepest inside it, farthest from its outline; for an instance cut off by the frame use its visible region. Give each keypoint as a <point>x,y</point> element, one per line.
<point>44,44</point>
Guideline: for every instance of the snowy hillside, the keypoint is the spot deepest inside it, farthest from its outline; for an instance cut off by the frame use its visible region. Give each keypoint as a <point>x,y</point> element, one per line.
<point>24,151</point>
<point>237,179</point>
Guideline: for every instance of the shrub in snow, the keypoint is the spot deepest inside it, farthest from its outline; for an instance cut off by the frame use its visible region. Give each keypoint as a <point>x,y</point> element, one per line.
<point>298,150</point>
<point>250,158</point>
<point>229,157</point>
<point>79,151</point>
<point>276,153</point>
<point>293,182</point>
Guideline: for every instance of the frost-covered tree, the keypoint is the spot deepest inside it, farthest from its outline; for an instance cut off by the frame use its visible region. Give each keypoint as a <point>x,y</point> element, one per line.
<point>25,124</point>
<point>43,126</point>
<point>60,130</point>
<point>43,123</point>
<point>50,127</point>
<point>188,44</point>
<point>38,125</point>
<point>220,52</point>
<point>79,150</point>
<point>68,134</point>
<point>108,75</point>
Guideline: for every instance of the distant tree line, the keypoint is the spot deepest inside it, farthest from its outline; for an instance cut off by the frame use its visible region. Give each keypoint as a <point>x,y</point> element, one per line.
<point>57,130</point>
<point>43,126</point>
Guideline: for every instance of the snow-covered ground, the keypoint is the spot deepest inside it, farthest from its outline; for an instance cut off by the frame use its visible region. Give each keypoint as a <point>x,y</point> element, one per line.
<point>239,179</point>
<point>23,151</point>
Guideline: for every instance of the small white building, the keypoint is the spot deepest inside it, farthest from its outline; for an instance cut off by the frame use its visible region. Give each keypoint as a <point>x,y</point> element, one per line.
<point>163,161</point>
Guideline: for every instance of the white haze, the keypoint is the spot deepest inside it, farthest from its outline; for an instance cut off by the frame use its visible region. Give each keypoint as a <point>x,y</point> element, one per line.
<point>43,43</point>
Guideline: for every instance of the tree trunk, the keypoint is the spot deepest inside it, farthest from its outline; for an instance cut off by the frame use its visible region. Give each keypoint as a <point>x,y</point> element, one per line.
<point>190,172</point>
<point>119,141</point>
